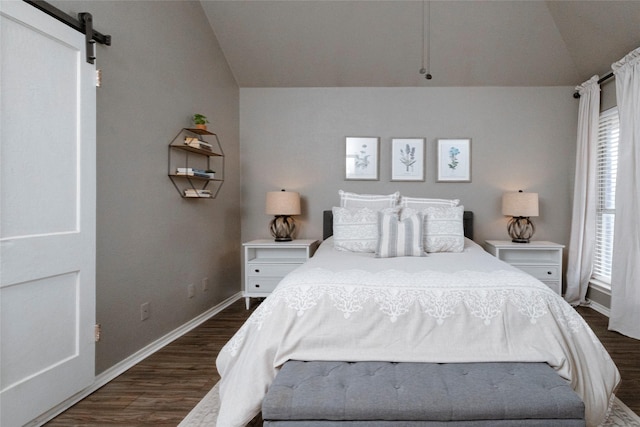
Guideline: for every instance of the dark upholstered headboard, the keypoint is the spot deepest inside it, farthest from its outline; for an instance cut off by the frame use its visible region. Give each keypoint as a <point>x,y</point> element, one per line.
<point>327,224</point>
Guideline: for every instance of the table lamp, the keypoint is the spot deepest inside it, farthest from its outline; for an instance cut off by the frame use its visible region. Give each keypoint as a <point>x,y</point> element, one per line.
<point>520,206</point>
<point>282,204</point>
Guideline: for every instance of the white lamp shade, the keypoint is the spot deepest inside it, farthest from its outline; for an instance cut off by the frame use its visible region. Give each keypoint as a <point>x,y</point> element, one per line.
<point>518,203</point>
<point>283,203</point>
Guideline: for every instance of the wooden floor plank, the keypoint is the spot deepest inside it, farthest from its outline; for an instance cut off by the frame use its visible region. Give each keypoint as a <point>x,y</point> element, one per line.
<point>624,351</point>
<point>161,390</point>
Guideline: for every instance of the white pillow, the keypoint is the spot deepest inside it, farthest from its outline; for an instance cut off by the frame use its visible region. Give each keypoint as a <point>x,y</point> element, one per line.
<point>355,229</point>
<point>399,235</point>
<point>420,203</point>
<point>443,229</point>
<point>371,201</point>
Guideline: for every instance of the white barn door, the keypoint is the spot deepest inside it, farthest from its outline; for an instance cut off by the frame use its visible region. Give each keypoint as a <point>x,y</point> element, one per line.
<point>47,213</point>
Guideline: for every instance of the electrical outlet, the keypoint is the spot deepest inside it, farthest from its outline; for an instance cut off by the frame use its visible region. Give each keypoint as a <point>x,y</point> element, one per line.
<point>144,311</point>
<point>205,284</point>
<point>191,290</point>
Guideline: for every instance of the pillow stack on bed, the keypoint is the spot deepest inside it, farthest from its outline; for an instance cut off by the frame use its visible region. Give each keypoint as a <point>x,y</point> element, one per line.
<point>391,225</point>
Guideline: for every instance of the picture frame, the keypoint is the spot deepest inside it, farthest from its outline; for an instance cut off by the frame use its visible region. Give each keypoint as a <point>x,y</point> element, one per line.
<point>454,160</point>
<point>407,159</point>
<point>362,158</point>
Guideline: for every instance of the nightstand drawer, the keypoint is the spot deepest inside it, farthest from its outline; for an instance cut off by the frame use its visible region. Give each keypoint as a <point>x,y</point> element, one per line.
<point>266,262</point>
<point>542,272</point>
<point>267,285</point>
<point>541,259</point>
<point>553,285</point>
<point>270,270</point>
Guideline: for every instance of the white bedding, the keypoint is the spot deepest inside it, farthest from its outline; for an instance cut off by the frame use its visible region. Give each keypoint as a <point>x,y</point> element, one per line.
<point>447,307</point>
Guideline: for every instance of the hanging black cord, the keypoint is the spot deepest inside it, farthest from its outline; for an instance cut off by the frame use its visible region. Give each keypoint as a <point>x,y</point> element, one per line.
<point>576,94</point>
<point>427,36</point>
<point>428,76</point>
<point>422,69</point>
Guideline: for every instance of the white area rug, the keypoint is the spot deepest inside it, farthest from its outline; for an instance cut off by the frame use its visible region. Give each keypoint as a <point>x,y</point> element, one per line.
<point>206,412</point>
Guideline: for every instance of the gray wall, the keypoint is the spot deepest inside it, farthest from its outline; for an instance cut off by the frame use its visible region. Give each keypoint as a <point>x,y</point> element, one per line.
<point>522,138</point>
<point>163,66</point>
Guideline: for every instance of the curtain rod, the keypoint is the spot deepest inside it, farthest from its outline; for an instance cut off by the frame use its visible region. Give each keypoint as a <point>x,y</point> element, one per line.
<point>576,94</point>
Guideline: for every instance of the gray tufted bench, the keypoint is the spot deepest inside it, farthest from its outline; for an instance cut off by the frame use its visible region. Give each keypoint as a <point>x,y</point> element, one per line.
<point>377,394</point>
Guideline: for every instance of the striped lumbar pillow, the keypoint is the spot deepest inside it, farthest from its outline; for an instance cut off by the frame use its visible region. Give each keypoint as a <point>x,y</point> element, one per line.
<point>399,235</point>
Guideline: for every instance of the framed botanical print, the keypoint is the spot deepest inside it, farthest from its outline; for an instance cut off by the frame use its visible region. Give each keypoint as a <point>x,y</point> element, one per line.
<point>407,159</point>
<point>362,158</point>
<point>454,160</point>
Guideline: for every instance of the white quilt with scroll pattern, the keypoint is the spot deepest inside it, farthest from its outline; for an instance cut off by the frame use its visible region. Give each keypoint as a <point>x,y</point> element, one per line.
<point>445,308</point>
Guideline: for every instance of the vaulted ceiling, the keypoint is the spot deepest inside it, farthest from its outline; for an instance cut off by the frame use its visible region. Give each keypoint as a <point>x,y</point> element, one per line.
<point>379,43</point>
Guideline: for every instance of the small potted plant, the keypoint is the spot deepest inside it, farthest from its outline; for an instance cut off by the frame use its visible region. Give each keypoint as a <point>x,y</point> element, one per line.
<point>200,121</point>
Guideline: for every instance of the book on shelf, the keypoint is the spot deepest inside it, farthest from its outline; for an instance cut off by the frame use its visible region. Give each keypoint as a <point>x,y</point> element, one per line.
<point>193,192</point>
<point>200,173</point>
<point>198,143</point>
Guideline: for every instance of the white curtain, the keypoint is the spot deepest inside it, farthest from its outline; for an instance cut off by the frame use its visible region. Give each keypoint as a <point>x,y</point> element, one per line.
<point>583,226</point>
<point>625,276</point>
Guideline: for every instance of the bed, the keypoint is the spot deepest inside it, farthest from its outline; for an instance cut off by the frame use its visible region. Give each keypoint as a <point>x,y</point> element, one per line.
<point>444,308</point>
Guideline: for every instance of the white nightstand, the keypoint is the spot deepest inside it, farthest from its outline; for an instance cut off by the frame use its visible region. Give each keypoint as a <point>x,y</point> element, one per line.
<point>543,260</point>
<point>266,262</point>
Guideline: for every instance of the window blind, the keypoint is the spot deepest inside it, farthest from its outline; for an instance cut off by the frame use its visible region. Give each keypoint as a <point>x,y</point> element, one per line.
<point>607,166</point>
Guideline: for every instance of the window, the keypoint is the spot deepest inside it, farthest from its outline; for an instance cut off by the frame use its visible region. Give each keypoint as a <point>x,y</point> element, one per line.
<point>607,166</point>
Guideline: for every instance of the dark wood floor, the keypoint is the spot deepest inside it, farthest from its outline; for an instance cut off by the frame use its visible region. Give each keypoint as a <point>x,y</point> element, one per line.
<point>162,389</point>
<point>624,351</point>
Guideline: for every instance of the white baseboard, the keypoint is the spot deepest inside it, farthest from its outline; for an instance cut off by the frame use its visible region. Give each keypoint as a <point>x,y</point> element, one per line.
<point>599,308</point>
<point>135,358</point>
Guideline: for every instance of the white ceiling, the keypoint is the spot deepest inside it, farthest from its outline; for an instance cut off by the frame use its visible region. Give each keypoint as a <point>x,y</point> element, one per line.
<point>379,43</point>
